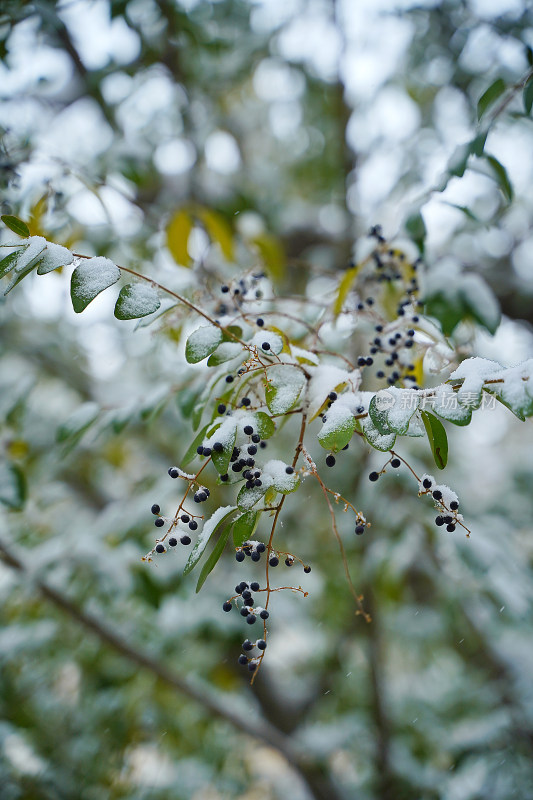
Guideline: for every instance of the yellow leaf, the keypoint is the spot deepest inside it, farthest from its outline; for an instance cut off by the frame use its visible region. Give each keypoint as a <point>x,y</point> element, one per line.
<point>36,216</point>
<point>344,289</point>
<point>178,231</point>
<point>272,254</point>
<point>218,230</point>
<point>419,371</point>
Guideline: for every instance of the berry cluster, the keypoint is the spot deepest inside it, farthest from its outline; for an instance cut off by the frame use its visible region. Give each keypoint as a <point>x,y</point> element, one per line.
<point>238,292</point>
<point>446,503</point>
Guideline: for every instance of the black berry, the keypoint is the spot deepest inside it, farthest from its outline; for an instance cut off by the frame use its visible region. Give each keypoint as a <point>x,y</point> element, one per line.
<point>248,430</point>
<point>454,505</point>
<point>265,346</point>
<point>185,518</point>
<point>437,494</point>
<point>242,660</point>
<point>307,569</point>
<point>261,644</point>
<point>159,522</point>
<point>373,476</point>
<point>273,561</point>
<point>221,408</point>
<point>330,461</point>
<point>250,619</point>
<point>239,556</point>
<point>256,438</point>
<point>264,614</point>
<point>227,606</point>
<point>155,509</point>
<point>246,401</point>
<point>172,541</point>
<point>193,525</point>
<point>261,547</point>
<point>395,463</point>
<point>439,521</point>
<point>160,548</point>
<point>260,322</point>
<point>289,470</point>
<point>224,289</point>
<point>359,529</point>
<point>450,527</point>
<point>174,472</point>
<point>426,483</point>
<point>256,556</point>
<point>185,539</point>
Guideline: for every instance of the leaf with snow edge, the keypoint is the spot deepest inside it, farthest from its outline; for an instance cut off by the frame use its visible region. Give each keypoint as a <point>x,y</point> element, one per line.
<point>391,409</point>
<point>213,558</point>
<point>501,176</point>
<point>338,428</point>
<point>89,279</point>
<point>70,432</point>
<point>8,263</point>
<point>226,435</point>
<point>283,388</point>
<point>244,527</point>
<point>247,498</point>
<point>13,489</point>
<point>304,356</point>
<point>516,389</point>
<point>325,379</point>
<point>415,429</point>
<point>490,96</point>
<point>54,256</point>
<point>374,438</point>
<point>274,340</point>
<point>263,425</point>
<point>202,342</point>
<point>278,478</point>
<point>33,252</point>
<point>438,440</point>
<point>446,405</point>
<point>191,451</point>
<point>16,225</point>
<point>136,300</point>
<point>226,351</point>
<point>210,526</point>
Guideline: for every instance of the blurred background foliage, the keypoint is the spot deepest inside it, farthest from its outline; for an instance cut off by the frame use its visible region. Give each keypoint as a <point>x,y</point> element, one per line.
<point>269,132</point>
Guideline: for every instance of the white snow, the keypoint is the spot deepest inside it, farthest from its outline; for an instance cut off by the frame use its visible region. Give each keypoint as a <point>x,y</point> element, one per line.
<point>138,300</point>
<point>93,276</point>
<point>31,253</point>
<point>324,379</point>
<point>275,470</point>
<point>274,340</point>
<point>203,341</point>
<point>54,256</point>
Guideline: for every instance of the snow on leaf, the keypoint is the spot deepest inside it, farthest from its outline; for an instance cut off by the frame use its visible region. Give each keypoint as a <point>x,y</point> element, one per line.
<point>29,258</point>
<point>202,342</point>
<point>516,389</point>
<point>226,351</point>
<point>474,372</point>
<point>54,256</point>
<point>276,471</point>
<point>283,389</point>
<point>324,379</point>
<point>339,425</point>
<point>391,409</point>
<point>224,435</point>
<point>374,437</point>
<point>208,529</point>
<point>446,404</point>
<point>247,498</point>
<point>89,279</point>
<point>136,300</point>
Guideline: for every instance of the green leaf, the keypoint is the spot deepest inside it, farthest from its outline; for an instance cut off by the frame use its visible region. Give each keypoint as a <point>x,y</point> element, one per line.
<point>221,459</point>
<point>89,279</point>
<point>7,263</point>
<point>501,177</point>
<point>202,342</point>
<point>528,96</point>
<point>178,232</point>
<point>379,417</point>
<point>244,527</point>
<point>16,225</point>
<point>416,228</point>
<point>210,526</point>
<point>264,426</point>
<point>337,430</point>
<point>191,452</point>
<point>212,560</point>
<point>438,440</point>
<point>477,145</point>
<point>374,438</point>
<point>136,300</point>
<point>13,488</point>
<point>490,96</point>
<point>247,498</point>
<point>283,387</point>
